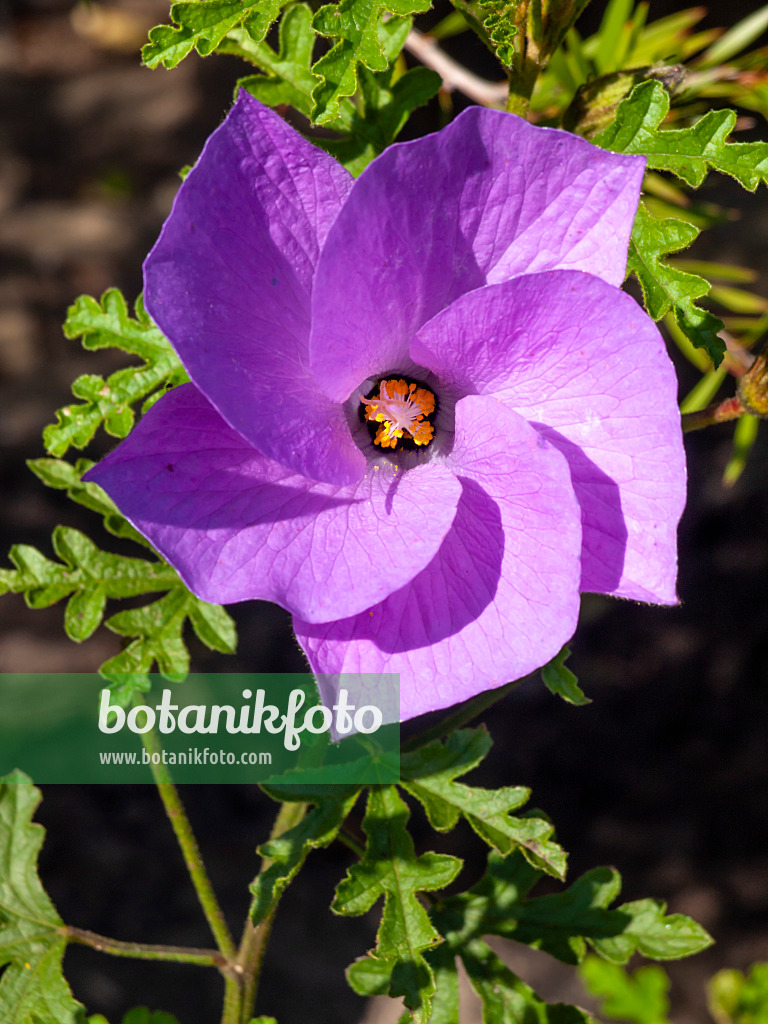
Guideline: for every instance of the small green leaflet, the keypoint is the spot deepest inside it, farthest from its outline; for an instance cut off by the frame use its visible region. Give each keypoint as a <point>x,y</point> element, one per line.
<point>89,577</point>
<point>429,774</point>
<point>736,999</point>
<point>202,24</point>
<point>640,997</point>
<point>390,868</point>
<point>354,24</point>
<point>386,100</point>
<point>690,153</point>
<point>32,937</point>
<point>559,680</point>
<point>288,852</point>
<point>498,20</point>
<point>109,402</point>
<point>667,288</point>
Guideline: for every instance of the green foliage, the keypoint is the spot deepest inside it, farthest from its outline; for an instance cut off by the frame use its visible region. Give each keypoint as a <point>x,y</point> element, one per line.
<point>287,853</point>
<point>354,25</point>
<point>88,577</point>
<point>689,153</point>
<point>390,868</point>
<point>498,19</point>
<point>32,937</point>
<point>109,402</point>
<point>203,24</point>
<point>386,100</point>
<point>559,679</point>
<point>736,999</point>
<point>667,288</point>
<point>640,997</point>
<point>429,774</point>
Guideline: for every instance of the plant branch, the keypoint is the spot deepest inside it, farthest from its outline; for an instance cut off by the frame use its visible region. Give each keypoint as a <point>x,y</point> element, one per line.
<point>717,412</point>
<point>182,828</point>
<point>453,74</point>
<point>148,951</point>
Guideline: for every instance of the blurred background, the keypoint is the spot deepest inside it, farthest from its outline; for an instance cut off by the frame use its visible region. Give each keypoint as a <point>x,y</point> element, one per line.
<point>664,775</point>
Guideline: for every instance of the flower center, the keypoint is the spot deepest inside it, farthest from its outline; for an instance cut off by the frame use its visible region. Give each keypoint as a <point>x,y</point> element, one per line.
<point>403,410</point>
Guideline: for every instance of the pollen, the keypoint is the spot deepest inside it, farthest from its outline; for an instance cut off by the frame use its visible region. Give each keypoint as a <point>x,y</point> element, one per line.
<point>400,411</point>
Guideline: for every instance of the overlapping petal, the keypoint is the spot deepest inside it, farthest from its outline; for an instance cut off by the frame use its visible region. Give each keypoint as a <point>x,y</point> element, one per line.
<point>229,284</point>
<point>582,361</point>
<point>238,526</point>
<point>486,199</point>
<point>501,595</point>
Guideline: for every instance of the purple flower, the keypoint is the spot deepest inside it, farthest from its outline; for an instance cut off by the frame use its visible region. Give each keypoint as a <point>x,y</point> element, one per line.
<point>424,416</point>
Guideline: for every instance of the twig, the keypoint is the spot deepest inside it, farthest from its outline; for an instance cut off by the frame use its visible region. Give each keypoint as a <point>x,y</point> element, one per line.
<point>453,74</point>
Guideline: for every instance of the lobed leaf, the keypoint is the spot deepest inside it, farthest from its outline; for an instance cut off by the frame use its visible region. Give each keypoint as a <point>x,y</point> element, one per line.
<point>390,868</point>
<point>202,25</point>
<point>32,938</point>
<point>109,403</point>
<point>355,26</point>
<point>670,289</point>
<point>429,774</point>
<point>288,852</point>
<point>689,153</point>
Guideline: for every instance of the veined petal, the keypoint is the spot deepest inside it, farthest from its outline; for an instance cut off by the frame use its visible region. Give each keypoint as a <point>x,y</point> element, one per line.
<point>484,200</point>
<point>229,282</point>
<point>500,597</point>
<point>238,526</point>
<point>583,362</point>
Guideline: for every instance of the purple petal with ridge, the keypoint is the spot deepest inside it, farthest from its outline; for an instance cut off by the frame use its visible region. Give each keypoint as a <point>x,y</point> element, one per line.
<point>488,198</point>
<point>499,599</point>
<point>238,526</point>
<point>583,362</point>
<point>229,282</point>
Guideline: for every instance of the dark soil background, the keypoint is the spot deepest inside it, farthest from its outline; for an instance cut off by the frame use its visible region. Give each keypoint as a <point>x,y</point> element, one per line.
<point>665,775</point>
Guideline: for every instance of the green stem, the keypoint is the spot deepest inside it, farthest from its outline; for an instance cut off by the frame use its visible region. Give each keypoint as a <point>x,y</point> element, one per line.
<point>189,848</point>
<point>718,412</point>
<point>147,951</point>
<point>463,714</point>
<point>250,956</point>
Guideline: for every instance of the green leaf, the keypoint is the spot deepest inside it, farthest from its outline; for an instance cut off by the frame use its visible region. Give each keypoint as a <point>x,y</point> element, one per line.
<point>559,680</point>
<point>90,577</point>
<point>670,289</point>
<point>640,997</point>
<point>32,937</point>
<point>507,999</point>
<point>390,868</point>
<point>64,476</point>
<point>499,21</point>
<point>288,852</point>
<point>429,774</point>
<point>202,24</point>
<point>143,1015</point>
<point>386,101</point>
<point>564,924</point>
<point>736,999</point>
<point>690,153</point>
<point>355,26</point>
<point>109,402</point>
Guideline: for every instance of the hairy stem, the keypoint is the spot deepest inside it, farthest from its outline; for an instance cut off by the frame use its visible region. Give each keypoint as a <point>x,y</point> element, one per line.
<point>148,951</point>
<point>189,848</point>
<point>254,940</point>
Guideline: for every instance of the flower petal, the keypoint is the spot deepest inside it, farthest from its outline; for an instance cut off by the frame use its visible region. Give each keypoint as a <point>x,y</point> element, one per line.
<point>486,199</point>
<point>238,526</point>
<point>582,361</point>
<point>500,597</point>
<point>229,283</point>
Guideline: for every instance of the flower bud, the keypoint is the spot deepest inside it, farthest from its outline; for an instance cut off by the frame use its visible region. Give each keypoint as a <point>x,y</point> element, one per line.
<point>753,387</point>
